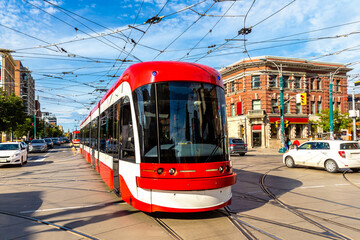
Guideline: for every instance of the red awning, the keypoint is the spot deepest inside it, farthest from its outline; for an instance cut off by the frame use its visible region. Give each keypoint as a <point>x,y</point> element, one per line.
<point>293,120</point>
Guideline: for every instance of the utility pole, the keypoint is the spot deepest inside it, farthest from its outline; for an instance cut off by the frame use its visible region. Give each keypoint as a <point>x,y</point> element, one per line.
<point>354,118</point>
<point>282,116</point>
<point>331,106</point>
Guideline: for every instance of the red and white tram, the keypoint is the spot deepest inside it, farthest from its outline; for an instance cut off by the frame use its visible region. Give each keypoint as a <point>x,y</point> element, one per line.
<point>159,138</point>
<point>75,139</point>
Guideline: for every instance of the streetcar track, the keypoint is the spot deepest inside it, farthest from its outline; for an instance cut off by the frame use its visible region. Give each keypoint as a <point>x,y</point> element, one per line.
<point>344,173</point>
<point>261,200</point>
<point>329,233</point>
<point>167,228</point>
<point>50,224</point>
<point>239,224</point>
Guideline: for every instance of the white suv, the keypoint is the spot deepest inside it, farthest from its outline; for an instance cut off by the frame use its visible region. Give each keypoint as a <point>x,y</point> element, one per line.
<point>13,153</point>
<point>332,155</point>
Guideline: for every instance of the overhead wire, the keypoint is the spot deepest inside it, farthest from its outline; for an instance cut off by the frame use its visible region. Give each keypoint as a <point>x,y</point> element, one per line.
<point>201,16</point>
<point>211,29</point>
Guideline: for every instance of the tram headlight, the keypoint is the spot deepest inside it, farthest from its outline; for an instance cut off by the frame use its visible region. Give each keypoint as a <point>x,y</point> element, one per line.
<point>160,171</point>
<point>172,171</point>
<point>221,169</point>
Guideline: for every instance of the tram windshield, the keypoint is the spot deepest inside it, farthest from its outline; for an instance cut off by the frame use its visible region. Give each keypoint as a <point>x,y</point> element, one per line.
<point>184,121</point>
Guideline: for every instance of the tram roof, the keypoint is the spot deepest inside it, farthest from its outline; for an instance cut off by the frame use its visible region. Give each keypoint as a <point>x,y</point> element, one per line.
<point>140,74</point>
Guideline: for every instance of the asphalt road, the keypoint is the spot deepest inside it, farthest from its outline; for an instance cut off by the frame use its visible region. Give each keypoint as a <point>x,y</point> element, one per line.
<point>57,195</point>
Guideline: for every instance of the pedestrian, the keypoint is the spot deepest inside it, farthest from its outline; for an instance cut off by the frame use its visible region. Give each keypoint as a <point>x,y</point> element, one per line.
<point>296,143</point>
<point>287,143</point>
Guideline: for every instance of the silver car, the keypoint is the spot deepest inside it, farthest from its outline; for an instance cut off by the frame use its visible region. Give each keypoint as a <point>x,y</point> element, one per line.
<point>237,146</point>
<point>38,145</point>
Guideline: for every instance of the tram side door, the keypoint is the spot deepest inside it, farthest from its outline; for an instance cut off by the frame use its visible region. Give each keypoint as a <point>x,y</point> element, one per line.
<point>116,147</point>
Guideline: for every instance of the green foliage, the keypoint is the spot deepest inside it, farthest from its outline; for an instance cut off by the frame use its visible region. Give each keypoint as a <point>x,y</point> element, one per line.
<point>12,112</point>
<point>341,121</point>
<point>24,129</point>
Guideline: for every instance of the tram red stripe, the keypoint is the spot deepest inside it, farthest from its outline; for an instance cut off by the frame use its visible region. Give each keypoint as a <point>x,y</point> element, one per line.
<point>186,184</point>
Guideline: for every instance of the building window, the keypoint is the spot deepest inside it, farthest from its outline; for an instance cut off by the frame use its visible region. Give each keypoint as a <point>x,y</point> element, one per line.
<point>318,84</point>
<point>297,82</point>
<point>337,86</point>
<point>286,107</point>
<point>232,110</point>
<point>272,81</point>
<point>255,82</point>
<point>256,105</point>
<point>318,107</point>
<point>312,107</point>
<point>338,106</point>
<point>225,88</point>
<point>274,131</point>
<point>299,130</point>
<point>298,108</point>
<point>312,84</point>
<point>274,107</point>
<point>286,81</point>
<point>232,87</point>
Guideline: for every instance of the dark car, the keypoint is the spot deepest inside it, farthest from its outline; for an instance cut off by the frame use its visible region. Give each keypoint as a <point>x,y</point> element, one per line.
<point>66,140</point>
<point>49,142</point>
<point>56,141</point>
<point>237,146</point>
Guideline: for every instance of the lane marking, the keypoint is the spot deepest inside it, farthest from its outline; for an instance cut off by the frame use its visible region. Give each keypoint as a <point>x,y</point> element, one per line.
<point>65,208</point>
<point>319,186</point>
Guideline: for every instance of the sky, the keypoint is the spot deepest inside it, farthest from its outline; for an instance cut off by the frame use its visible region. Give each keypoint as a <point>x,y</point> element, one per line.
<point>76,49</point>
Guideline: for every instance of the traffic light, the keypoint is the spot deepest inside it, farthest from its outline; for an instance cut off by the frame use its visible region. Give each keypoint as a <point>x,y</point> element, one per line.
<point>279,107</point>
<point>302,98</point>
<point>287,123</point>
<point>276,124</point>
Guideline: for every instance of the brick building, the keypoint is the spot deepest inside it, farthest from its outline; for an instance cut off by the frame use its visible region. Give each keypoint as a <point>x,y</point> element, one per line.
<point>7,71</point>
<point>253,93</point>
<point>25,87</point>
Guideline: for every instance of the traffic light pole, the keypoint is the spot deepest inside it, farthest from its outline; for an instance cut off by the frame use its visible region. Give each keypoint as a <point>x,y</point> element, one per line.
<point>282,117</point>
<point>331,107</point>
<point>35,125</point>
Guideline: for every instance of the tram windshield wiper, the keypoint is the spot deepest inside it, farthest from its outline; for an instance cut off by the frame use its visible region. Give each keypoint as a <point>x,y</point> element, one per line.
<point>220,139</point>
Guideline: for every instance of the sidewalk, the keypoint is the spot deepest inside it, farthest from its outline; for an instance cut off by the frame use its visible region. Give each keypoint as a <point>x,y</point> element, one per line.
<point>264,151</point>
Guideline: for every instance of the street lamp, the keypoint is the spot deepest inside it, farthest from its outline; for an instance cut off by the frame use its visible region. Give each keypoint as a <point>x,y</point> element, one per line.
<point>282,117</point>
<point>331,108</point>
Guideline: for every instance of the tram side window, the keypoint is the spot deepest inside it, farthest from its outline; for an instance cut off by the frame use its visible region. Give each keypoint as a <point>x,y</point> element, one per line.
<point>103,131</point>
<point>94,133</point>
<point>116,130</point>
<point>127,133</point>
<point>87,135</point>
<point>109,131</point>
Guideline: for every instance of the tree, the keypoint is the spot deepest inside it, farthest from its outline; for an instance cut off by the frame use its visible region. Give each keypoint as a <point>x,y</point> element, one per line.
<point>25,128</point>
<point>12,111</point>
<point>341,121</point>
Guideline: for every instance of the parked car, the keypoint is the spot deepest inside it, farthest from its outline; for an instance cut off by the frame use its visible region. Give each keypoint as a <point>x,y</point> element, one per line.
<point>333,155</point>
<point>38,145</point>
<point>66,140</point>
<point>237,146</point>
<point>62,141</point>
<point>49,143</point>
<point>56,141</point>
<point>13,153</point>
